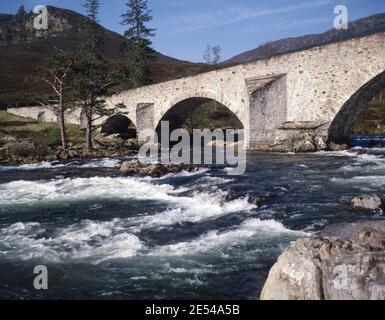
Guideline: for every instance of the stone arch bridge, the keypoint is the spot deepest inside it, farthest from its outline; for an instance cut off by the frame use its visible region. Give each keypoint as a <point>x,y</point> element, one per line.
<point>321,89</point>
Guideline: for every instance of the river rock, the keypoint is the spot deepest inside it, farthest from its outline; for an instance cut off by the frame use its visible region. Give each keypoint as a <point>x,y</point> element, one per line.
<point>320,143</point>
<point>112,140</point>
<point>344,262</point>
<point>337,147</point>
<point>132,144</point>
<point>304,146</point>
<point>236,192</point>
<point>362,152</point>
<point>62,154</point>
<point>136,168</point>
<point>128,166</point>
<point>115,141</point>
<point>256,200</point>
<point>368,202</point>
<point>3,152</point>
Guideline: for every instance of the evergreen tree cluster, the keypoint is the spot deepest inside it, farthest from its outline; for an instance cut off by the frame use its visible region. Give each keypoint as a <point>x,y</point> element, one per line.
<point>138,50</point>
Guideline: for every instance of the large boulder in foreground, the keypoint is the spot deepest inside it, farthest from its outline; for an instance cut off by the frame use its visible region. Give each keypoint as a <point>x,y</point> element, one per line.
<point>343,262</point>
<point>136,168</point>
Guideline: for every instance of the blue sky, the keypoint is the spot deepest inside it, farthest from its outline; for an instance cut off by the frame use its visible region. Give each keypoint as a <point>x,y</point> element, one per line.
<point>185,27</point>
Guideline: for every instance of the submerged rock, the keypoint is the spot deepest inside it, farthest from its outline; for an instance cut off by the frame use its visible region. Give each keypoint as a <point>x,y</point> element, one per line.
<point>344,262</point>
<point>236,192</point>
<point>368,202</point>
<point>256,200</point>
<point>362,151</point>
<point>136,168</point>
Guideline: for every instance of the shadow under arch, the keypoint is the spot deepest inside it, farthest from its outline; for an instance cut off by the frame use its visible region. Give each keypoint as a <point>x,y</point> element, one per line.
<point>119,124</point>
<point>340,129</point>
<point>184,111</point>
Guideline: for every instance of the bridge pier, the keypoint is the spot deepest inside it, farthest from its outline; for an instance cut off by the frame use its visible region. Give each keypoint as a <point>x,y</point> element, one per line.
<point>144,119</point>
<point>268,108</point>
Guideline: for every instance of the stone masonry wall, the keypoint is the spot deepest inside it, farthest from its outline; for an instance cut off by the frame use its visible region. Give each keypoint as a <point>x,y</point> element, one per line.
<point>268,110</point>
<point>46,114</point>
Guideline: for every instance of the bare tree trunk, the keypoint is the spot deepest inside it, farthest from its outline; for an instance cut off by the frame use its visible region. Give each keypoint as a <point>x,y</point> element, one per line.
<point>62,121</point>
<point>89,135</point>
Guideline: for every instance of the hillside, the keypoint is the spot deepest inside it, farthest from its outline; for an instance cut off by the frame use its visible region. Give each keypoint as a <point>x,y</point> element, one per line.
<point>22,49</point>
<point>358,28</point>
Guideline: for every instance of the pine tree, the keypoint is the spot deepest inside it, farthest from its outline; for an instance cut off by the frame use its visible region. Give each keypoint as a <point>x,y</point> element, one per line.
<point>93,76</point>
<point>138,50</point>
<point>89,91</point>
<point>87,78</point>
<point>57,72</point>
<point>21,13</point>
<point>20,22</point>
<point>92,37</point>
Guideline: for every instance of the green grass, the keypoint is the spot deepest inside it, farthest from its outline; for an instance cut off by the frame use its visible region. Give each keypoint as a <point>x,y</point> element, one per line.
<point>34,139</point>
<point>47,132</point>
<point>9,118</point>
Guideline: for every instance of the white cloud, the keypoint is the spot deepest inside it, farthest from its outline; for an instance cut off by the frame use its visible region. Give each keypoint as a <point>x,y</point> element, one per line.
<point>287,24</point>
<point>230,15</point>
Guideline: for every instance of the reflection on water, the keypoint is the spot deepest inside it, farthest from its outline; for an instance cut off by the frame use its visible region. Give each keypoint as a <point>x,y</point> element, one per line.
<point>367,141</point>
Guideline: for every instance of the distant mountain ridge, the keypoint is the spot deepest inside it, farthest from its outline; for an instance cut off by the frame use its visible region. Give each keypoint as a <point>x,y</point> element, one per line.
<point>64,24</point>
<point>23,49</point>
<point>358,28</point>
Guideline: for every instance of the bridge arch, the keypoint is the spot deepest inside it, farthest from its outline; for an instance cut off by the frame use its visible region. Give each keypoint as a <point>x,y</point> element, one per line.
<point>119,124</point>
<point>181,107</point>
<point>341,126</point>
<point>193,99</point>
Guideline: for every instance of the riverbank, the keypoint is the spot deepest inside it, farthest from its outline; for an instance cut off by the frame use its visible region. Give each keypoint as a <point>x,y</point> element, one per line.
<point>27,141</point>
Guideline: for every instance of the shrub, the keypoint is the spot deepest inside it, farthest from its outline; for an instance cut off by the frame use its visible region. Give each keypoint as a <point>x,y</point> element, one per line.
<point>291,141</point>
<point>53,137</point>
<point>36,151</point>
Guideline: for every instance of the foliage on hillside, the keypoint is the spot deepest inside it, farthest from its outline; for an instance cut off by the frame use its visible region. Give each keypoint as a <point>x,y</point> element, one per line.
<point>212,115</point>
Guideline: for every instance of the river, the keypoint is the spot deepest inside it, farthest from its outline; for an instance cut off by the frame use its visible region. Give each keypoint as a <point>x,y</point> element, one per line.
<point>104,236</point>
